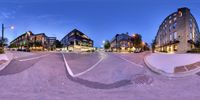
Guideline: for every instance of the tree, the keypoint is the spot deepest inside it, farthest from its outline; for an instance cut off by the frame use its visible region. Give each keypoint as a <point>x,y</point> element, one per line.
<point>153,45</point>
<point>146,47</point>
<point>137,41</point>
<point>58,44</point>
<point>12,46</point>
<point>5,41</point>
<point>107,45</point>
<point>197,44</point>
<point>38,43</point>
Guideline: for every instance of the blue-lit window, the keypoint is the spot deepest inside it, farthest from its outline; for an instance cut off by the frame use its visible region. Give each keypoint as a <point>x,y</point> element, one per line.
<point>174,25</point>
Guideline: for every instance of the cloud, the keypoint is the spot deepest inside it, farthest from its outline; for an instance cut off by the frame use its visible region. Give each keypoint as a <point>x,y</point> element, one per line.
<point>7,15</point>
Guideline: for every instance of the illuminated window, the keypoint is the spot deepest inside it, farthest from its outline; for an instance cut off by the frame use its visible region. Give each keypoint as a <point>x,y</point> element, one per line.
<point>170,21</point>
<point>175,18</point>
<point>191,20</point>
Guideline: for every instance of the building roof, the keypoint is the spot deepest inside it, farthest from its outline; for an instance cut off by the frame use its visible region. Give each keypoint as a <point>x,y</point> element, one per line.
<point>81,33</point>
<point>122,34</point>
<point>23,35</point>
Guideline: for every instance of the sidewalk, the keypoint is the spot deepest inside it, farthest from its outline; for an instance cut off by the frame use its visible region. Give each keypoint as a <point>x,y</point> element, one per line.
<point>173,64</point>
<point>5,59</point>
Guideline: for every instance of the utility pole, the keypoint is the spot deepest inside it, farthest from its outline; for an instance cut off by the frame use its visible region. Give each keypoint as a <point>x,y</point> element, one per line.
<point>2,37</point>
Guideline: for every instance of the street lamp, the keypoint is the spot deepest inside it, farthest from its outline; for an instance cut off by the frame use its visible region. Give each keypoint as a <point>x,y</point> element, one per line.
<point>2,37</point>
<point>143,43</point>
<point>103,41</point>
<point>116,36</point>
<point>134,35</point>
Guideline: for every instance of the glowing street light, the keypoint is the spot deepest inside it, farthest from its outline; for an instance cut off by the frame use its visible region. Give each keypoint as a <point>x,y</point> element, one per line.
<point>143,43</point>
<point>134,35</point>
<point>103,41</point>
<point>12,27</point>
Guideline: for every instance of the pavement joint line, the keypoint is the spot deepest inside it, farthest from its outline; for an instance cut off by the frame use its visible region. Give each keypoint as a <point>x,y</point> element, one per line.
<point>34,57</point>
<point>130,61</point>
<point>81,73</point>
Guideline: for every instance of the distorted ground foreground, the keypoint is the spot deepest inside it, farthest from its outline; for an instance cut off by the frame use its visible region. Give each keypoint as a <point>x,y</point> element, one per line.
<point>117,77</point>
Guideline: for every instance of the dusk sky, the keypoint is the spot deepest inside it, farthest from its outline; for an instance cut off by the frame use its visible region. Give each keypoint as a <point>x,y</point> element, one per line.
<point>98,19</point>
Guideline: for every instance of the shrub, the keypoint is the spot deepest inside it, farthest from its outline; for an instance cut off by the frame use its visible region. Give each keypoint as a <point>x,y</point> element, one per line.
<point>1,51</point>
<point>194,51</point>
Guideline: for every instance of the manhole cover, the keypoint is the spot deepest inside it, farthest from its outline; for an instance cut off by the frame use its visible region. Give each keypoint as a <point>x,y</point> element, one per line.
<point>142,79</point>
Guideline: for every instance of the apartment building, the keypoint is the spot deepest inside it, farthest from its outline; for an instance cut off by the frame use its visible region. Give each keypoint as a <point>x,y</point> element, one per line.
<point>178,33</point>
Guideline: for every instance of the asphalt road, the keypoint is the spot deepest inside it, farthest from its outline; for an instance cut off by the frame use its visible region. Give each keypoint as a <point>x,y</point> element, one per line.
<point>96,76</point>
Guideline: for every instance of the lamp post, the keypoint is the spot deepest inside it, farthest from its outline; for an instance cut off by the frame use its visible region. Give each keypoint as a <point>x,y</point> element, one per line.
<point>2,37</point>
<point>116,36</point>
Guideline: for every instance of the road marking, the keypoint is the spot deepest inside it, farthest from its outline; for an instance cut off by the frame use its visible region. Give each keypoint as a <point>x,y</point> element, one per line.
<point>67,66</point>
<point>34,57</point>
<point>130,61</point>
<point>81,73</point>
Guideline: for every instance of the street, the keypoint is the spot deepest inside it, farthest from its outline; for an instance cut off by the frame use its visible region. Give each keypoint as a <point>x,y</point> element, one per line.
<point>97,75</point>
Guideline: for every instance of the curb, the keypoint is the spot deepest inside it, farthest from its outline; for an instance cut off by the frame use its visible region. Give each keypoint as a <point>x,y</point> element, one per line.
<point>175,75</point>
<point>5,64</point>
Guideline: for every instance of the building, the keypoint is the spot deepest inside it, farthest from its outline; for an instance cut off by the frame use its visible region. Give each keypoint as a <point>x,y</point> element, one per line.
<point>121,42</point>
<point>38,42</point>
<point>30,41</point>
<point>22,41</point>
<point>51,43</point>
<point>77,41</point>
<point>178,33</point>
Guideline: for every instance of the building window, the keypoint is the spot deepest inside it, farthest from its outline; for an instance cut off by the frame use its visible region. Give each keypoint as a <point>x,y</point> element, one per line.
<point>175,47</point>
<point>190,25</point>
<point>190,36</point>
<point>191,20</point>
<point>175,18</point>
<point>175,35</point>
<point>170,37</point>
<point>174,25</point>
<point>170,28</point>
<point>170,21</point>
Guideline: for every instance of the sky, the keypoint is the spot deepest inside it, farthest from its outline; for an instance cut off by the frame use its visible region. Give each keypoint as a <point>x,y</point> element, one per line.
<point>98,19</point>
